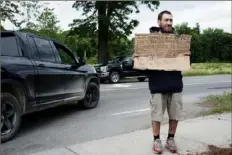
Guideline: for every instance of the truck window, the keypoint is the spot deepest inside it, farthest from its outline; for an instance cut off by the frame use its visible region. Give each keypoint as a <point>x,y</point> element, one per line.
<point>34,51</point>
<point>65,58</point>
<point>45,50</point>
<point>129,59</point>
<point>9,46</point>
<point>117,59</point>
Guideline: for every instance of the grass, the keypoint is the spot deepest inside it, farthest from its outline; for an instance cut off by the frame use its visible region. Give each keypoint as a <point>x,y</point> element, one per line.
<point>217,104</point>
<point>198,69</point>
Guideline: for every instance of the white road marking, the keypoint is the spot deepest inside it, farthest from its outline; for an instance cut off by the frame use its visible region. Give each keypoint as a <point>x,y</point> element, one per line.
<point>121,85</point>
<point>129,112</point>
<point>184,85</point>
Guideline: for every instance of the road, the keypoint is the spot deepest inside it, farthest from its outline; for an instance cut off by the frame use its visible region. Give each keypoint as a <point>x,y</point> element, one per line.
<point>123,108</point>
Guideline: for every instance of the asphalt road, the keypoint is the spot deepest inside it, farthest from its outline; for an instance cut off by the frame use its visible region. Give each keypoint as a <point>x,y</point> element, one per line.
<point>123,108</point>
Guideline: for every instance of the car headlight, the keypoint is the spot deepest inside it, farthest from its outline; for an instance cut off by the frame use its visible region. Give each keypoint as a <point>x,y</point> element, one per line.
<point>103,69</point>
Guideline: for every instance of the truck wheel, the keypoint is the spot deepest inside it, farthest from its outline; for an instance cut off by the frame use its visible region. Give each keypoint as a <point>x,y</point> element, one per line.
<point>10,116</point>
<point>141,79</point>
<point>92,96</point>
<point>114,77</point>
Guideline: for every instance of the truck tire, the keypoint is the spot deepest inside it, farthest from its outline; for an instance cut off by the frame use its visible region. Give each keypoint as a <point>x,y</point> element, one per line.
<point>92,96</point>
<point>10,116</point>
<point>142,79</point>
<point>114,77</point>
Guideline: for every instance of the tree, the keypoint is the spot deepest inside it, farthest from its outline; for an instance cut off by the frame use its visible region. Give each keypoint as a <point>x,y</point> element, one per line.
<point>12,10</point>
<point>79,45</point>
<point>217,45</point>
<point>197,28</point>
<point>109,16</point>
<point>183,28</point>
<point>46,25</point>
<point>212,45</point>
<point>120,47</point>
<point>48,22</point>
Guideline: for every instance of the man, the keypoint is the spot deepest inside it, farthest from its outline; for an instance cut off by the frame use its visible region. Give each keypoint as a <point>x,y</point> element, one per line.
<point>166,88</point>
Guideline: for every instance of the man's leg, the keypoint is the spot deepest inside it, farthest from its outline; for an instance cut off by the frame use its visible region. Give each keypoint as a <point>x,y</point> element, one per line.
<point>175,111</point>
<point>156,129</point>
<point>172,128</point>
<point>158,106</point>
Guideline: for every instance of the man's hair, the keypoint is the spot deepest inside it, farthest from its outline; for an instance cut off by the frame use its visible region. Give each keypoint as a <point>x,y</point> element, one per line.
<point>162,13</point>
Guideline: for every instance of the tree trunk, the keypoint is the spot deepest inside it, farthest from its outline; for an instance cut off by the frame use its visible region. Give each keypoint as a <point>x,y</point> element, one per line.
<point>103,29</point>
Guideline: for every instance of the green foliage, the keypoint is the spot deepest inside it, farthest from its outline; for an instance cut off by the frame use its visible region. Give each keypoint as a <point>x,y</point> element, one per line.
<point>92,60</point>
<point>113,14</point>
<point>109,20</point>
<point>12,10</point>
<point>212,45</point>
<point>47,21</point>
<point>120,47</point>
<point>79,45</point>
<point>47,25</point>
<point>209,69</point>
<point>103,31</point>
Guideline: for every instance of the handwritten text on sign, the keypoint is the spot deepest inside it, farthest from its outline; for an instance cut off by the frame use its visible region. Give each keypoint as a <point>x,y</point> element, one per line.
<point>161,51</point>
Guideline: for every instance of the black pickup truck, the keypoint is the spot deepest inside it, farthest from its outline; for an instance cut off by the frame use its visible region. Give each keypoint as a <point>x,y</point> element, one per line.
<point>38,73</point>
<point>119,67</point>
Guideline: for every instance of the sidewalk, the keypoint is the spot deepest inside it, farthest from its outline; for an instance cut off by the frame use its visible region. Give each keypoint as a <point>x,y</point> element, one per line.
<point>193,135</point>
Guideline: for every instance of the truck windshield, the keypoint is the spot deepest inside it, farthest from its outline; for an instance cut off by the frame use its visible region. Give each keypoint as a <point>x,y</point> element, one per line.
<point>117,59</point>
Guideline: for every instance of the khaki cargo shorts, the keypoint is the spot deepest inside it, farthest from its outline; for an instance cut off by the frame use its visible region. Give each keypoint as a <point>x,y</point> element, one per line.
<point>170,101</point>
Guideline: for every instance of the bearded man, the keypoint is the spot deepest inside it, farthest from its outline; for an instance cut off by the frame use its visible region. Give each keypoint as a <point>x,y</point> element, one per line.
<point>166,93</point>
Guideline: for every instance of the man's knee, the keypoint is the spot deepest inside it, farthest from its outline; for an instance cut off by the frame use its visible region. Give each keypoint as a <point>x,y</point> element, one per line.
<point>157,107</point>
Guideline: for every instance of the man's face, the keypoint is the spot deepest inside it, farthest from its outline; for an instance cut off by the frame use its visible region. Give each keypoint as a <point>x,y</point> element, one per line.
<point>166,23</point>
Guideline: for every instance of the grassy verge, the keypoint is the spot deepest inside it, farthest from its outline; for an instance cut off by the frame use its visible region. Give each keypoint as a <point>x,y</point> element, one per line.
<point>201,69</point>
<point>209,69</point>
<point>217,104</point>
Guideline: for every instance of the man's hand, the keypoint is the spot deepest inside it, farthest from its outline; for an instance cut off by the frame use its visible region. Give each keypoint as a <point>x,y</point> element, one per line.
<point>187,53</point>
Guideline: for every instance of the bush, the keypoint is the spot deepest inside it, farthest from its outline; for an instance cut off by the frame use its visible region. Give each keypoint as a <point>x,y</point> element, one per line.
<point>92,60</point>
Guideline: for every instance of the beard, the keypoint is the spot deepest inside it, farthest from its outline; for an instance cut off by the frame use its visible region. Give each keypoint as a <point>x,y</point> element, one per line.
<point>166,29</point>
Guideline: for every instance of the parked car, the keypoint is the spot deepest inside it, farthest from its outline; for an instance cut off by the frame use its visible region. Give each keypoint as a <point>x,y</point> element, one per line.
<point>36,75</point>
<point>119,67</point>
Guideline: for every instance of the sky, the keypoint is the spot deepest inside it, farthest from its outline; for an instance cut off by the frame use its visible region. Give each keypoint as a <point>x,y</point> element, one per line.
<point>214,14</point>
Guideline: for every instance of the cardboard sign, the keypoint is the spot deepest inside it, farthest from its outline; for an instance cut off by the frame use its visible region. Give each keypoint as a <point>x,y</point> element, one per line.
<point>158,51</point>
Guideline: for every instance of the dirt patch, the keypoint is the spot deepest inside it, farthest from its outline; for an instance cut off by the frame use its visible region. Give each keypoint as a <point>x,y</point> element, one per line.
<point>214,150</point>
<point>208,104</point>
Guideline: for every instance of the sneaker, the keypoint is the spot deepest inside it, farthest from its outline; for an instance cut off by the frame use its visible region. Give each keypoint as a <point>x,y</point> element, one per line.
<point>157,146</point>
<point>171,145</point>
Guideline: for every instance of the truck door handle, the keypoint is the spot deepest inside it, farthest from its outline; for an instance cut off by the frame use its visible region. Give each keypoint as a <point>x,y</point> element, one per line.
<point>41,65</point>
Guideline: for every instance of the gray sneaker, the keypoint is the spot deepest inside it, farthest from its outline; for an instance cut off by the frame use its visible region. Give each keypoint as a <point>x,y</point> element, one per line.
<point>171,145</point>
<point>157,146</point>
